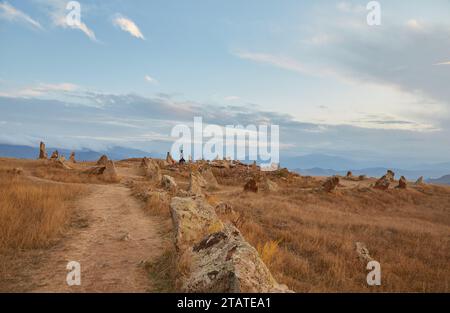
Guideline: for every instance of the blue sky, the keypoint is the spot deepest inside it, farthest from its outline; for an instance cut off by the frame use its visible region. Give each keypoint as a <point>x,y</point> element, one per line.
<point>136,68</point>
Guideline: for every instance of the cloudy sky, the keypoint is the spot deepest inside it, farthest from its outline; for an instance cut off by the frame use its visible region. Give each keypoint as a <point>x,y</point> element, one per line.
<point>131,70</point>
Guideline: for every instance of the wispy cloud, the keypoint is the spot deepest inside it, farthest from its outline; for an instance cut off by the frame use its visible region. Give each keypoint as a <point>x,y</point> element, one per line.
<point>274,60</point>
<point>56,9</point>
<point>128,26</point>
<point>41,89</point>
<point>443,63</point>
<point>150,79</point>
<point>232,98</point>
<point>8,12</point>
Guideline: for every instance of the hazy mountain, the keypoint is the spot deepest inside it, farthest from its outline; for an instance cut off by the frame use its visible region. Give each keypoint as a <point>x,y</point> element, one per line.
<point>444,180</point>
<point>115,153</point>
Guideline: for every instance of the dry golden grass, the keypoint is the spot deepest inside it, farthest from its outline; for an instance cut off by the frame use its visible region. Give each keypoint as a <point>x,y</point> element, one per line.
<point>407,231</point>
<point>33,214</point>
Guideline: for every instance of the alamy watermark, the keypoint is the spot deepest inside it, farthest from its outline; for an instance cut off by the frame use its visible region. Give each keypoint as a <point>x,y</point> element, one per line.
<point>73,278</point>
<point>233,142</point>
<point>374,15</point>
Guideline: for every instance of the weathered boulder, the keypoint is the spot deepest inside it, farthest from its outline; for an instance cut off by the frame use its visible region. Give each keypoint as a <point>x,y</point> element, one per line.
<point>349,174</point>
<point>110,173</point>
<point>72,157</point>
<point>390,175</point>
<point>383,183</point>
<point>62,158</point>
<point>197,183</point>
<point>211,181</point>
<point>168,183</point>
<point>42,151</point>
<point>419,181</point>
<point>402,183</point>
<point>151,169</point>
<point>251,185</point>
<point>330,184</point>
<point>269,186</point>
<point>55,155</point>
<point>220,260</point>
<point>362,177</point>
<point>169,159</point>
<point>103,160</point>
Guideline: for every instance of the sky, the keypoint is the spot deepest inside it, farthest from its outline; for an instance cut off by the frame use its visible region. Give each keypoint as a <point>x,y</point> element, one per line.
<point>132,70</point>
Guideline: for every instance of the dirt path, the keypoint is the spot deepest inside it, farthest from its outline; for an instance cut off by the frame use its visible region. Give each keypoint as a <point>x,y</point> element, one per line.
<point>117,238</point>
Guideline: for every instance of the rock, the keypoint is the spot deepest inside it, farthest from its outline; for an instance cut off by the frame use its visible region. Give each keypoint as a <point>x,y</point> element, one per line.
<point>383,183</point>
<point>103,160</point>
<point>110,173</point>
<point>363,252</point>
<point>330,184</point>
<point>55,155</point>
<point>107,172</point>
<point>168,183</point>
<point>362,177</point>
<point>169,159</point>
<point>191,219</point>
<point>72,157</point>
<point>349,174</point>
<point>42,151</point>
<point>402,183</point>
<point>251,185</point>
<point>210,179</point>
<point>197,183</point>
<point>62,158</point>
<point>220,260</point>
<point>269,186</point>
<point>390,175</point>
<point>151,169</point>
<point>419,181</point>
<point>59,164</point>
<point>254,166</point>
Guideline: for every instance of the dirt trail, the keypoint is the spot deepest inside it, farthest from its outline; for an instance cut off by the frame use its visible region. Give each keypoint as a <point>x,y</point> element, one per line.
<point>111,248</point>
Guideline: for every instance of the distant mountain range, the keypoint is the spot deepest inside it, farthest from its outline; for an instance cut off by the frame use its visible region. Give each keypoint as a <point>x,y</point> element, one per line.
<point>444,180</point>
<point>115,153</point>
<point>311,164</point>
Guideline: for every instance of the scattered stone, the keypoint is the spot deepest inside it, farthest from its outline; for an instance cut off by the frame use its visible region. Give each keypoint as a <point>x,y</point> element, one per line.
<point>220,261</point>
<point>103,160</point>
<point>402,183</point>
<point>251,185</point>
<point>55,155</point>
<point>210,179</point>
<point>419,181</point>
<point>169,159</point>
<point>390,175</point>
<point>151,169</point>
<point>269,186</point>
<point>72,157</point>
<point>197,183</point>
<point>363,252</point>
<point>383,183</point>
<point>42,151</point>
<point>331,184</point>
<point>168,183</point>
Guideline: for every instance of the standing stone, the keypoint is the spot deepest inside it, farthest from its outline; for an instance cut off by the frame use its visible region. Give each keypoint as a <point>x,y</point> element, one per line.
<point>251,185</point>
<point>109,173</point>
<point>390,175</point>
<point>55,155</point>
<point>197,183</point>
<point>62,158</point>
<point>402,183</point>
<point>331,184</point>
<point>42,151</point>
<point>383,183</point>
<point>210,179</point>
<point>72,157</point>
<point>419,181</point>
<point>168,183</point>
<point>349,174</point>
<point>103,160</point>
<point>169,159</point>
